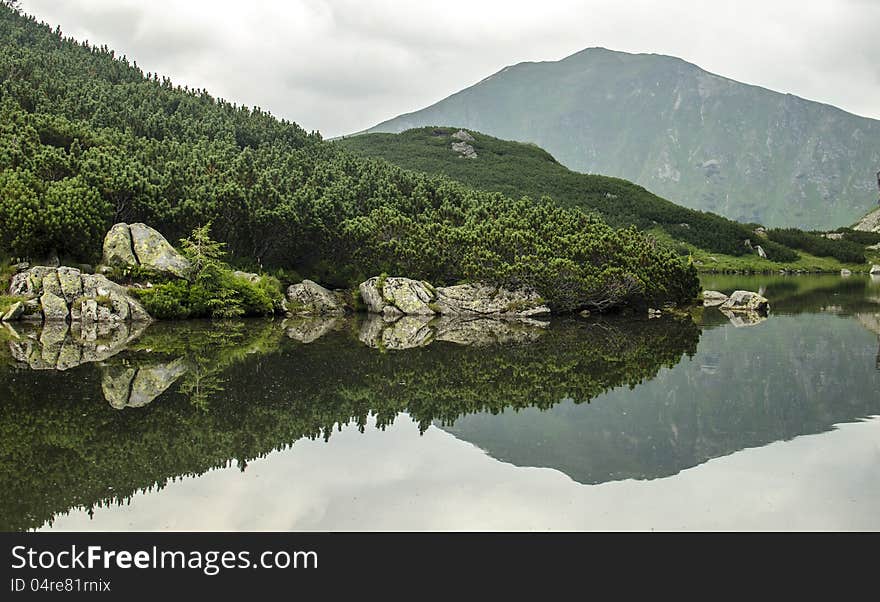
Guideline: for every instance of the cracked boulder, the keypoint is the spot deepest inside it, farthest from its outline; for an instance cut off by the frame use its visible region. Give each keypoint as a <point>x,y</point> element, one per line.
<point>138,245</point>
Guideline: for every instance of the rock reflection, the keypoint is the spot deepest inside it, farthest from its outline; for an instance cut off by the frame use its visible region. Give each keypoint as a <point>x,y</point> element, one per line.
<point>60,346</point>
<point>410,332</point>
<point>310,329</point>
<point>135,386</point>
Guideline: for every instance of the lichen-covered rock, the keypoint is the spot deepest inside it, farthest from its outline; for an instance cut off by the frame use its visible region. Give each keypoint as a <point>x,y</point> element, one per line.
<point>464,149</point>
<point>489,300</point>
<point>30,282</point>
<point>405,295</point>
<point>64,293</point>
<point>118,247</point>
<point>393,297</point>
<point>371,295</point>
<point>154,252</point>
<point>309,298</point>
<point>411,297</point>
<point>20,284</point>
<point>713,298</point>
<point>137,313</point>
<point>89,311</point>
<point>746,301</point>
<point>71,283</point>
<point>54,308</point>
<point>51,284</point>
<point>401,295</point>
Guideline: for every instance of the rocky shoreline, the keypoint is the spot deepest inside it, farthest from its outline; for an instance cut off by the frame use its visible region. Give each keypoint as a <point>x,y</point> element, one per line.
<point>69,294</point>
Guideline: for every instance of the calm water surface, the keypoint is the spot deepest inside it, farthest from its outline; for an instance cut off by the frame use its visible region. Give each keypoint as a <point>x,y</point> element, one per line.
<point>609,423</point>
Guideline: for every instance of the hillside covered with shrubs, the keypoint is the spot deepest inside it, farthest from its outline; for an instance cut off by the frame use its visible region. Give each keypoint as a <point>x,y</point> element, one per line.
<point>88,139</point>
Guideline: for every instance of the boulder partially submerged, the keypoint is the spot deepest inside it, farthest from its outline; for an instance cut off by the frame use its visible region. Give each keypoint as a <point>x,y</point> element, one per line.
<point>310,299</point>
<point>746,301</point>
<point>64,294</point>
<point>392,296</point>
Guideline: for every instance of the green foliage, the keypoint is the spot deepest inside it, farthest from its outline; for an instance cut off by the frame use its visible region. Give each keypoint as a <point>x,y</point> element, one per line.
<point>517,169</point>
<point>7,301</point>
<point>842,250</point>
<point>214,291</point>
<point>859,237</point>
<point>66,216</point>
<point>86,139</point>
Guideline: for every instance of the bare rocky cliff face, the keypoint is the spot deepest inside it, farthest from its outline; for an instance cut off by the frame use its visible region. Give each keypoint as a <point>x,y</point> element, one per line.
<point>698,139</point>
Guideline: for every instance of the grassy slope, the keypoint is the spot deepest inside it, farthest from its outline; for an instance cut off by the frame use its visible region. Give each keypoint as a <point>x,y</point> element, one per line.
<point>518,169</point>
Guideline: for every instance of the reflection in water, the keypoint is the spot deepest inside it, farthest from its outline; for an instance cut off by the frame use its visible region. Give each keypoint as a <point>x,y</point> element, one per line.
<point>245,389</point>
<point>200,396</point>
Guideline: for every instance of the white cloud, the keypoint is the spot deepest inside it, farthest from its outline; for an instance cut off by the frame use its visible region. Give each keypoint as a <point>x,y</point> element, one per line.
<point>343,65</point>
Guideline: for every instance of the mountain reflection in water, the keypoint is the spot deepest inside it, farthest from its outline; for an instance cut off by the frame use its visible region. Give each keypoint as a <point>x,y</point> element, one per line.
<point>91,419</point>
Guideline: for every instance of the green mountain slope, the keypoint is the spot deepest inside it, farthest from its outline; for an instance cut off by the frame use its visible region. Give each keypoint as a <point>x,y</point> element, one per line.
<point>702,140</point>
<point>88,139</point>
<point>516,169</point>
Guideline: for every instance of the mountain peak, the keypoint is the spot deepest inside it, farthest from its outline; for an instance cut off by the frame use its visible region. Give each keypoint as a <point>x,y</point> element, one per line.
<point>700,139</point>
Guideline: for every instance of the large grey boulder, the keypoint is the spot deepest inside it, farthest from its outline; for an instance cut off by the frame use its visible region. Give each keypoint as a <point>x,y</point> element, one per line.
<point>156,253</point>
<point>310,299</point>
<point>746,301</point>
<point>140,245</point>
<point>483,299</point>
<point>397,296</point>
<point>409,296</point>
<point>70,280</point>
<point>118,248</point>
<point>64,293</point>
<point>393,297</point>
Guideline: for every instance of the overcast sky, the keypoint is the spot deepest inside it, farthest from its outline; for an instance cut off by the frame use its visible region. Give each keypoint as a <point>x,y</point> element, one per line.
<point>340,66</point>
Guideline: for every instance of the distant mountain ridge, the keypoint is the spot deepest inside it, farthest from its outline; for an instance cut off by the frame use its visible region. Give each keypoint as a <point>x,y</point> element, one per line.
<point>696,138</point>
